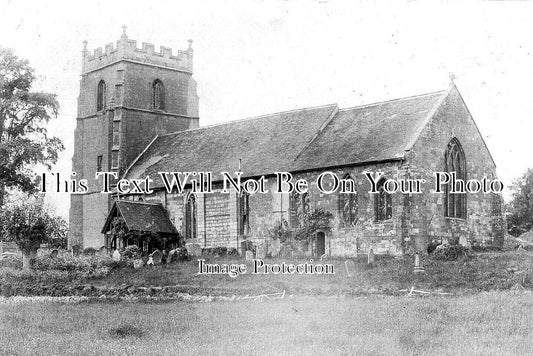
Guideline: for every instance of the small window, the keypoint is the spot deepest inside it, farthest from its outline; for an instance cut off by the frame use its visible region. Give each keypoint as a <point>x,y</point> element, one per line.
<point>114,159</point>
<point>383,202</point>
<point>101,96</point>
<point>158,95</point>
<point>99,163</point>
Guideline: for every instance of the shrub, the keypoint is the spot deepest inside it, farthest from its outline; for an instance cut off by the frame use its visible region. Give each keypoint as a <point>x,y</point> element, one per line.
<point>132,252</point>
<point>451,253</point>
<point>89,251</point>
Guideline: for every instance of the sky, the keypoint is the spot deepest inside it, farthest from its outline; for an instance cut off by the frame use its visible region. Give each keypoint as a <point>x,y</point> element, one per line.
<point>256,57</point>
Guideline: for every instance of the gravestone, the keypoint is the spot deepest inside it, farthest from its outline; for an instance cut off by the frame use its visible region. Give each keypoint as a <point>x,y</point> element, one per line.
<point>103,251</point>
<point>172,256</point>
<point>371,257</point>
<point>116,255</point>
<point>54,253</point>
<point>157,256</point>
<point>275,247</point>
<point>464,242</point>
<point>249,255</point>
<point>194,249</point>
<point>260,252</point>
<point>76,250</point>
<point>138,263</point>
<point>350,267</point>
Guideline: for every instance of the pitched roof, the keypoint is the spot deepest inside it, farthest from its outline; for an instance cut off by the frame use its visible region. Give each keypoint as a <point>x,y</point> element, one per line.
<point>140,216</point>
<point>297,140</point>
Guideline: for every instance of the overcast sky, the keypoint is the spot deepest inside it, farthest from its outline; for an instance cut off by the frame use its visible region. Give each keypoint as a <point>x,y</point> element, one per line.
<point>257,57</point>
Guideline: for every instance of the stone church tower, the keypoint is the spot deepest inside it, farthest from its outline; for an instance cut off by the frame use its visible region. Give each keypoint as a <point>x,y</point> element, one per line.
<point>127,97</point>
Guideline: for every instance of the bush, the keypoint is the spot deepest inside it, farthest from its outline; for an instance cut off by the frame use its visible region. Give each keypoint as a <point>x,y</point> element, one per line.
<point>89,251</point>
<point>132,252</point>
<point>451,253</point>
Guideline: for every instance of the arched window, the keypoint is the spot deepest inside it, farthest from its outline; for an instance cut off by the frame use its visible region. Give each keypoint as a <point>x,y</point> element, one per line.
<point>158,95</point>
<point>383,202</point>
<point>454,161</point>
<point>190,217</point>
<point>348,204</point>
<point>101,96</point>
<point>244,208</point>
<point>299,209</point>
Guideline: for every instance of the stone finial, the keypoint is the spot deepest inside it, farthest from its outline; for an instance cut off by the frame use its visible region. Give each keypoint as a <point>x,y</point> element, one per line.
<point>190,45</point>
<point>124,35</point>
<point>452,79</point>
<point>85,45</point>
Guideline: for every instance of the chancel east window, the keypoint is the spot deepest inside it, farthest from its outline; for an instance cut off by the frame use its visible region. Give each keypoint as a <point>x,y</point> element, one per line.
<point>190,217</point>
<point>158,95</point>
<point>348,204</point>
<point>101,96</point>
<point>455,162</point>
<point>383,202</point>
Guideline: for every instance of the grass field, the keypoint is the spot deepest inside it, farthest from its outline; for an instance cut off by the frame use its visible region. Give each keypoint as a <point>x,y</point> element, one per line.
<point>496,323</point>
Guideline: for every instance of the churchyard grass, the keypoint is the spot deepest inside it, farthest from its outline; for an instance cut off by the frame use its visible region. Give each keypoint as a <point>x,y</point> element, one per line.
<point>494,323</point>
<point>485,271</point>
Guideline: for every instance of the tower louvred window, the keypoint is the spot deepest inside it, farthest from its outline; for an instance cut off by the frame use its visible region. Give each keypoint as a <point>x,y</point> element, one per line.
<point>158,95</point>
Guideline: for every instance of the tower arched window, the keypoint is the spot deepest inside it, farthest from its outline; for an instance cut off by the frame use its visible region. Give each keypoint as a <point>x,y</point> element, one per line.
<point>455,162</point>
<point>158,95</point>
<point>383,202</point>
<point>101,96</point>
<point>348,204</point>
<point>190,217</point>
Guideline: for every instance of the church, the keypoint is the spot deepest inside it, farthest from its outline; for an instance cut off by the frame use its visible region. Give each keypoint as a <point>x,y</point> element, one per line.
<point>138,116</point>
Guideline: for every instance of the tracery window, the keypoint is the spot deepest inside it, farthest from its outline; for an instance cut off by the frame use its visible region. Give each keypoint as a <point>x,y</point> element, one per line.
<point>383,202</point>
<point>348,207</point>
<point>454,161</point>
<point>299,208</point>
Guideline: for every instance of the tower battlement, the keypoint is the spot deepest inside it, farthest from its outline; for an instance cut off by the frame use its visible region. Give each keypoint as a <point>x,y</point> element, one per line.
<point>126,49</point>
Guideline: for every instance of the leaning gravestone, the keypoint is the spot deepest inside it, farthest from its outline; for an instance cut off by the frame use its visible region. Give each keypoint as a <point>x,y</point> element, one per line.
<point>157,256</point>
<point>249,255</point>
<point>54,253</point>
<point>260,252</point>
<point>275,246</point>
<point>116,255</point>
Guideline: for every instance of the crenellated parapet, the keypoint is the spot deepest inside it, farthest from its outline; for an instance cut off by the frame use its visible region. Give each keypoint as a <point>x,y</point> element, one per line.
<point>127,49</point>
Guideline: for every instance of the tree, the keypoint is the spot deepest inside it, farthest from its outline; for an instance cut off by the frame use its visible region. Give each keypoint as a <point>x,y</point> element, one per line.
<point>23,115</point>
<point>28,223</point>
<point>520,218</point>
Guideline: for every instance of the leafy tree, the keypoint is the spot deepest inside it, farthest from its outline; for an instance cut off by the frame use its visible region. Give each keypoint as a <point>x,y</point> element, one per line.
<point>520,218</point>
<point>58,232</point>
<point>28,223</point>
<point>23,115</point>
